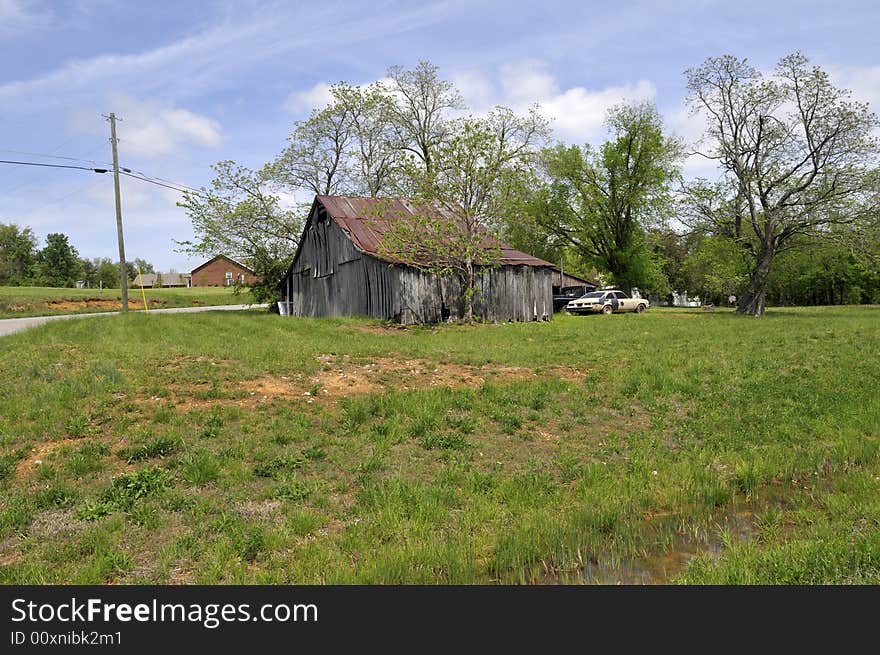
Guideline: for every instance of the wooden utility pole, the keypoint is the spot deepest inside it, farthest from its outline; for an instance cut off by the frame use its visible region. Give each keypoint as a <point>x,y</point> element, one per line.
<point>123,270</point>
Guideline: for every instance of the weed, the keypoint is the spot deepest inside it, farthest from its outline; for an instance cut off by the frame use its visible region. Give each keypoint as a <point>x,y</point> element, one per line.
<point>199,468</point>
<point>128,488</point>
<point>279,466</point>
<point>159,447</point>
<point>445,441</point>
<point>58,496</point>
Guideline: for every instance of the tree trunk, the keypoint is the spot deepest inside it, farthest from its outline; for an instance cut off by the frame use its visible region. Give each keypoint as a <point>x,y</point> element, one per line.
<point>469,293</point>
<point>752,302</point>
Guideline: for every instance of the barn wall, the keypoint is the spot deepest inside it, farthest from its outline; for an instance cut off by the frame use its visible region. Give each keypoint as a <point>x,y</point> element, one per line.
<point>330,277</point>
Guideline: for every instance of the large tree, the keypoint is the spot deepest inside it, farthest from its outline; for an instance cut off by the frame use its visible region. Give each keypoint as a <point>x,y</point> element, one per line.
<point>795,154</point>
<point>58,262</point>
<point>18,254</point>
<point>599,201</point>
<point>238,216</point>
<point>316,158</point>
<point>471,176</point>
<point>420,111</point>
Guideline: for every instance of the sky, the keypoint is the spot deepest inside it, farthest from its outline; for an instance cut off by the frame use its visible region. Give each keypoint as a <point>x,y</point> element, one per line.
<point>199,82</point>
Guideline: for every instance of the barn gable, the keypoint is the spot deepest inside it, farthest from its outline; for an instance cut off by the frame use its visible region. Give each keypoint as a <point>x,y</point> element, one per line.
<point>338,271</point>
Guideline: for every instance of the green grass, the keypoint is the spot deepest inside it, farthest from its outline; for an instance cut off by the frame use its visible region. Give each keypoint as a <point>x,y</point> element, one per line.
<point>675,446</point>
<point>17,302</point>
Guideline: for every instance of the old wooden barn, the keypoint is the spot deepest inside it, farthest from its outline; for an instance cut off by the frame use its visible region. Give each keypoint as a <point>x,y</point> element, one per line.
<point>339,271</point>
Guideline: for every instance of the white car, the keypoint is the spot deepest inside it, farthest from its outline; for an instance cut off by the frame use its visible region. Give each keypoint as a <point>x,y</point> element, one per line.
<point>606,301</point>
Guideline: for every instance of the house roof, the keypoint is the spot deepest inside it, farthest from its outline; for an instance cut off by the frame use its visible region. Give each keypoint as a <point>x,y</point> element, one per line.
<point>359,218</point>
<point>144,280</point>
<point>229,259</point>
<point>175,279</point>
<point>569,280</point>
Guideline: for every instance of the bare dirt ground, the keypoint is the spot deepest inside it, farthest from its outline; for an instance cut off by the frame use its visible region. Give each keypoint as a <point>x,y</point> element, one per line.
<point>340,377</point>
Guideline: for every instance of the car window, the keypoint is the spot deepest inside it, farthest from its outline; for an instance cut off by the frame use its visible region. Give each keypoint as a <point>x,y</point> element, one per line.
<point>621,295</point>
<point>594,294</point>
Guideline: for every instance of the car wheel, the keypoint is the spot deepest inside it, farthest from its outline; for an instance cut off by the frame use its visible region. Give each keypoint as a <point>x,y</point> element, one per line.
<point>640,309</point>
<point>607,309</point>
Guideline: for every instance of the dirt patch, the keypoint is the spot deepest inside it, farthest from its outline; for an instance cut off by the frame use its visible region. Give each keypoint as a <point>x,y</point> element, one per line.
<point>55,521</point>
<point>38,455</point>
<point>261,510</point>
<point>390,328</point>
<point>75,304</point>
<point>340,377</point>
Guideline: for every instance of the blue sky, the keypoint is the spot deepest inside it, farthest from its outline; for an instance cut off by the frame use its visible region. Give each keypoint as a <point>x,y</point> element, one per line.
<point>197,82</point>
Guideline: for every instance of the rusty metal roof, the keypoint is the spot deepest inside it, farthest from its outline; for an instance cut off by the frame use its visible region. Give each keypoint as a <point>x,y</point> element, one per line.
<point>360,219</point>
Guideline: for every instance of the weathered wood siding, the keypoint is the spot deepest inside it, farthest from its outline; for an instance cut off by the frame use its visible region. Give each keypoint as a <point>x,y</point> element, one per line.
<point>330,277</point>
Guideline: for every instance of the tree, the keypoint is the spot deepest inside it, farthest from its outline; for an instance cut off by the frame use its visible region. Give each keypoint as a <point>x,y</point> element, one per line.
<point>419,112</point>
<point>143,265</point>
<point>238,216</point>
<point>715,267</point>
<point>58,262</point>
<point>17,255</point>
<point>599,202</point>
<point>795,154</point>
<point>108,274</point>
<point>471,170</point>
<point>373,152</point>
<point>315,159</point>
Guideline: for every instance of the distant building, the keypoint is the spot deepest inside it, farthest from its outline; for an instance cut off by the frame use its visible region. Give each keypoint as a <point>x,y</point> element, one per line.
<point>567,287</point>
<point>222,271</point>
<point>162,280</point>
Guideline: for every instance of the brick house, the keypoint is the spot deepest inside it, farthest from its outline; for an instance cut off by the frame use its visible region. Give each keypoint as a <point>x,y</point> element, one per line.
<point>222,271</point>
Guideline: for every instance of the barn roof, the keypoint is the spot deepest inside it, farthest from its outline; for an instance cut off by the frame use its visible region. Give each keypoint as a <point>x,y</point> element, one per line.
<point>358,218</point>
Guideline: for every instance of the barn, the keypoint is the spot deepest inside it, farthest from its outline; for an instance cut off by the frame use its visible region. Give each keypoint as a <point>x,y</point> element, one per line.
<point>338,271</point>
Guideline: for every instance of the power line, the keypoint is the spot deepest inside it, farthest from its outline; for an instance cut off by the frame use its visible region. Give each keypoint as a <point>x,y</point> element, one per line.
<point>185,189</point>
<point>82,158</point>
<point>39,154</point>
<point>33,163</point>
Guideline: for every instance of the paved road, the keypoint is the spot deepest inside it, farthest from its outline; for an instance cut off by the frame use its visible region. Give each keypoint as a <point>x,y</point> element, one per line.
<point>10,325</point>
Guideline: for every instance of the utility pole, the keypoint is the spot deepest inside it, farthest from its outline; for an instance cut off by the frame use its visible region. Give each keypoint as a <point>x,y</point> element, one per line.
<point>123,270</point>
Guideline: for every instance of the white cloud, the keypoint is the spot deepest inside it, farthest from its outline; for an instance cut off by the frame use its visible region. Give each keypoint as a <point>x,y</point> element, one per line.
<point>133,196</point>
<point>215,58</point>
<point>577,113</point>
<point>864,82</point>
<point>17,17</point>
<point>151,128</point>
<point>477,89</point>
<point>305,101</point>
<point>527,81</point>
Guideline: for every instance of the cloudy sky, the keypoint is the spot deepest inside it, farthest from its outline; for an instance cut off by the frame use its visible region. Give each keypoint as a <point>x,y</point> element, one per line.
<point>197,82</point>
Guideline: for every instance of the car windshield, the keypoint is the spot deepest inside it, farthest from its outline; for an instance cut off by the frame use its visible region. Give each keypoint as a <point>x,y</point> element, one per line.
<point>594,294</point>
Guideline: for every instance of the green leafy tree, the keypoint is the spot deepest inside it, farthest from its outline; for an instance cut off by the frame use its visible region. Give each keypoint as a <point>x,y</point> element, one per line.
<point>797,157</point>
<point>715,268</point>
<point>18,255</point>
<point>599,202</point>
<point>420,110</point>
<point>239,217</point>
<point>58,262</point>
<point>469,170</point>
<point>108,274</point>
<point>374,157</point>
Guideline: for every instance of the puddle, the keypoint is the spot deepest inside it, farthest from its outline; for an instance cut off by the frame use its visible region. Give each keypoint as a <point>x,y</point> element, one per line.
<point>737,525</point>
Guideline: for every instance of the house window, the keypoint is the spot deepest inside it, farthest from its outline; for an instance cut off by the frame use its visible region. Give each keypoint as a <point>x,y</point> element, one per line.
<point>228,278</point>
<point>241,279</point>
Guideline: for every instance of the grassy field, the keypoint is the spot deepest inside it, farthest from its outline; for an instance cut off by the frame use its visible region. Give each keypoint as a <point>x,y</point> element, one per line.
<point>18,302</point>
<point>674,446</point>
